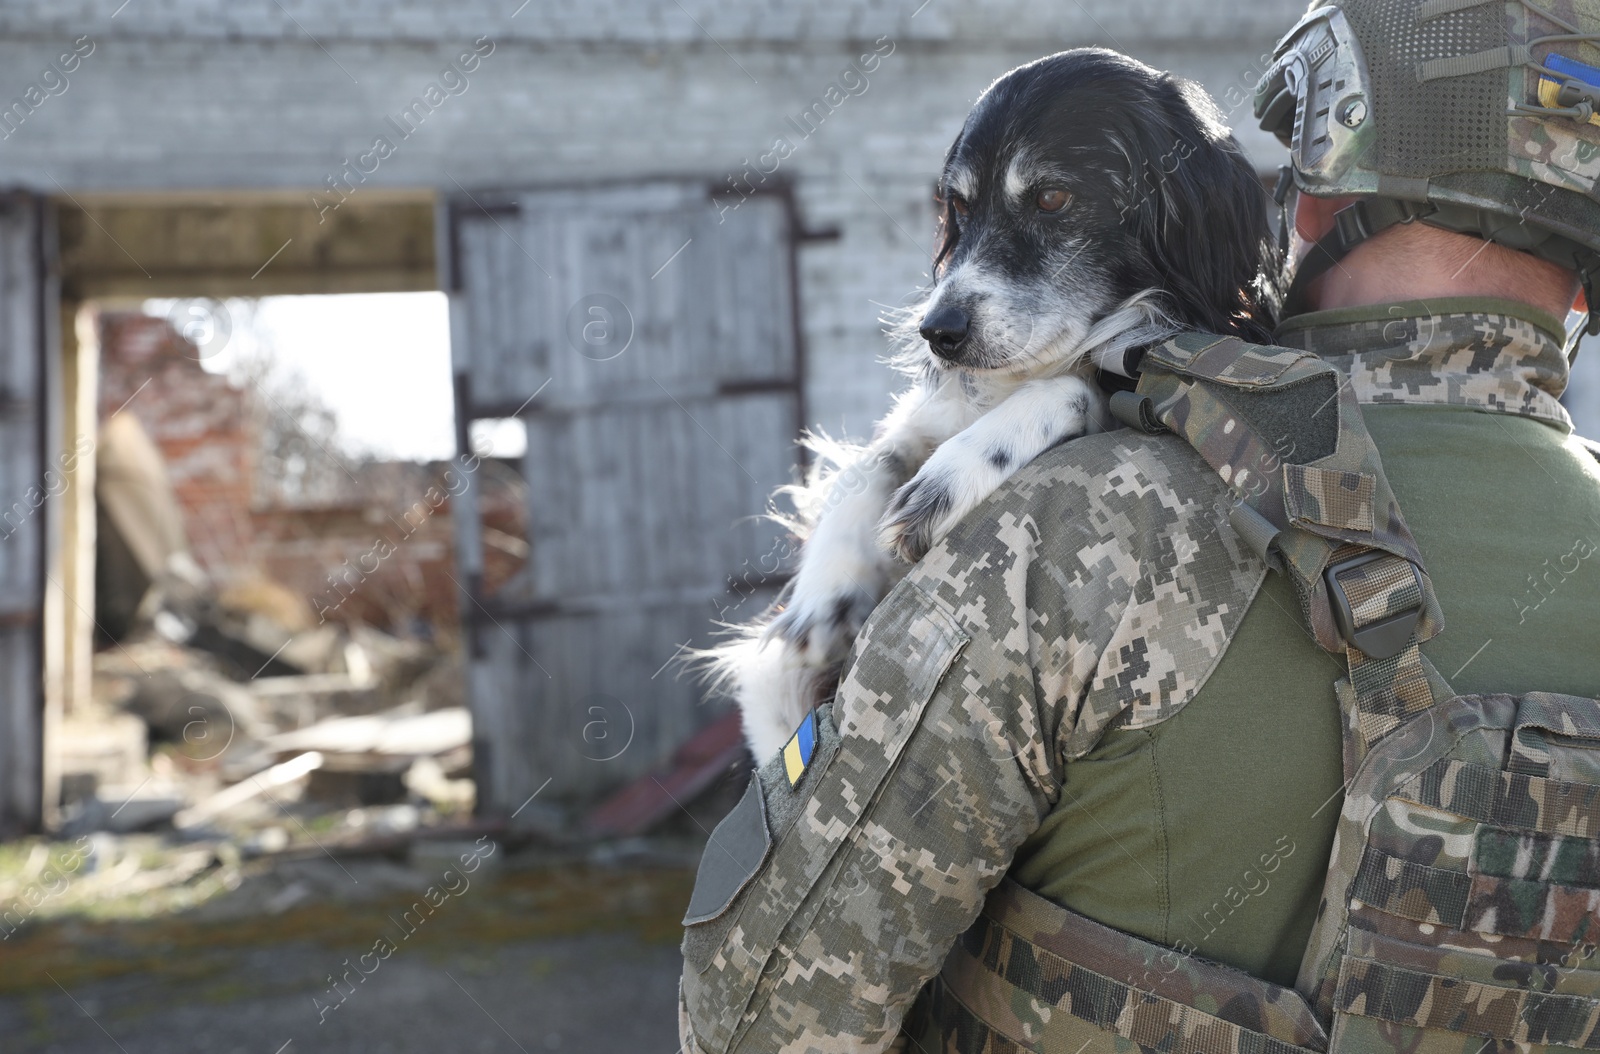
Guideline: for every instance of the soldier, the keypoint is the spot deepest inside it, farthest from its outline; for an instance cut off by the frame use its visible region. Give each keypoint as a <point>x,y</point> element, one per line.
<point>1097,715</point>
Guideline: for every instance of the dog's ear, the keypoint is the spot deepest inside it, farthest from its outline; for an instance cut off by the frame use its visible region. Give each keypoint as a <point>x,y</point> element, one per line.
<point>1200,214</point>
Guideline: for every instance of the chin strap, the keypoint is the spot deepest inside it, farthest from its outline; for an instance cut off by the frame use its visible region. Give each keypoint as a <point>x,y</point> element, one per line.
<point>1352,225</point>
<point>1586,275</point>
<point>1280,198</point>
<point>1359,221</point>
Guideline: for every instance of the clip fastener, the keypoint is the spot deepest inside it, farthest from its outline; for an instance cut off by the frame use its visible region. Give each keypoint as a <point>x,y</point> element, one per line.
<point>1135,411</point>
<point>1385,638</point>
<point>1280,197</point>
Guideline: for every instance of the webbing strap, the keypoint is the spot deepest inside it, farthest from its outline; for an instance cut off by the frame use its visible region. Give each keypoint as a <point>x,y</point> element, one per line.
<point>1070,978</point>
<point>1390,884</point>
<point>1421,1000</point>
<point>1511,800</point>
<point>1379,695</point>
<point>1378,601</point>
<point>1329,519</point>
<point>1477,62</point>
<point>1353,224</point>
<point>1434,8</point>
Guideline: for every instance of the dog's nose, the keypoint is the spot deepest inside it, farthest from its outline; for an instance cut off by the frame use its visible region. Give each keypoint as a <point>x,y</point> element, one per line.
<point>945,330</point>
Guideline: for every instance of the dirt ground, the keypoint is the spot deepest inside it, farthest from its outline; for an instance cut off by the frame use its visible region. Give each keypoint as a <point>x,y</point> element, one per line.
<point>576,956</point>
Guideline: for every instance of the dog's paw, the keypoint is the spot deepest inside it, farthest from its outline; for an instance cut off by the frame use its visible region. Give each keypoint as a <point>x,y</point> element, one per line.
<point>952,482</point>
<point>918,516</point>
<point>820,628</point>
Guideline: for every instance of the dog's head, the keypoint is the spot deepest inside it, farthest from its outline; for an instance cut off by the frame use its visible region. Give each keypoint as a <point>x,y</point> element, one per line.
<point>1081,183</point>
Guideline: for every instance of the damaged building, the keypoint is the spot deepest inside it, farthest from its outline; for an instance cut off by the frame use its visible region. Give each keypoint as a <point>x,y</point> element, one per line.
<point>667,233</point>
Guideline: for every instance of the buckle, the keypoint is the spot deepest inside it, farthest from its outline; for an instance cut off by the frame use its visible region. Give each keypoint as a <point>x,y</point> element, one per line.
<point>1362,219</point>
<point>1380,640</point>
<point>1353,225</point>
<point>1135,411</point>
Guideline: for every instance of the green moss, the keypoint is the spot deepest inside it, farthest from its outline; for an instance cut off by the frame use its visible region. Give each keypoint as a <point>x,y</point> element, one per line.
<point>514,907</point>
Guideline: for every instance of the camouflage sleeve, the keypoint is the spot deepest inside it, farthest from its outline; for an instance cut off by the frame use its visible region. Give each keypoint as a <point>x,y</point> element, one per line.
<point>915,797</point>
<point>837,887</point>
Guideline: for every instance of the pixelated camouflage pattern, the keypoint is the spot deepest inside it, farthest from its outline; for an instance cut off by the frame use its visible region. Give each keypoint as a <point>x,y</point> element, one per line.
<point>1181,378</point>
<point>1482,359</point>
<point>1101,584</point>
<point>1131,578</point>
<point>1030,970</point>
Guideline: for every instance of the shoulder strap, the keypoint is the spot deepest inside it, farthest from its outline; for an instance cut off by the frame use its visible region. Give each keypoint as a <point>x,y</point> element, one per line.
<point>1283,430</point>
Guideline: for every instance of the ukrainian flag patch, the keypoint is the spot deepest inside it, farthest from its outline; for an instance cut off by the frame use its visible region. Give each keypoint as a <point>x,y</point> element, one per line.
<point>797,754</point>
<point>1550,89</point>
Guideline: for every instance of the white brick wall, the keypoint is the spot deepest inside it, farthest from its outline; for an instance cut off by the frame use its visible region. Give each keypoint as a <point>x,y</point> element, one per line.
<point>1127,24</point>
<point>183,94</point>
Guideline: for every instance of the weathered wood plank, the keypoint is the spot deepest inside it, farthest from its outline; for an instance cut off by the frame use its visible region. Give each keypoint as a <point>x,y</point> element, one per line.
<point>24,513</point>
<point>644,474</point>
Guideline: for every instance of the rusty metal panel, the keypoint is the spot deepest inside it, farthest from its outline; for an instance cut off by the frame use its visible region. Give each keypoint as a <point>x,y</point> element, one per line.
<point>647,337</point>
<point>27,310</point>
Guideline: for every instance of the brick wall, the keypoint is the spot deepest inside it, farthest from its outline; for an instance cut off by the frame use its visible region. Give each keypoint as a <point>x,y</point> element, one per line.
<point>387,558</point>
<point>204,427</point>
<point>381,555</point>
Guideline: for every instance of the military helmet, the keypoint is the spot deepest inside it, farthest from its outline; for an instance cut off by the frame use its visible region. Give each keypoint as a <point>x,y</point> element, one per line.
<point>1478,116</point>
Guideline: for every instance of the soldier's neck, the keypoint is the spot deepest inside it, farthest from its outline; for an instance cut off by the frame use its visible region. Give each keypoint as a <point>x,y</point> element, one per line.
<point>1425,263</point>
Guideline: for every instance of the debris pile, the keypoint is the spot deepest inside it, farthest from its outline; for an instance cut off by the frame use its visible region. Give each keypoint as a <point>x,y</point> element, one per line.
<point>227,722</point>
<point>203,698</point>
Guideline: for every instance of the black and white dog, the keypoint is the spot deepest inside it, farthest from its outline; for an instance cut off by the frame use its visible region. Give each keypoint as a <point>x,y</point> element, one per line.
<point>1091,206</point>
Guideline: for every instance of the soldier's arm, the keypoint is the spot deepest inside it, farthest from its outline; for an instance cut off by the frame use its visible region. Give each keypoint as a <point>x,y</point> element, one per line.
<point>834,891</point>
<point>825,901</point>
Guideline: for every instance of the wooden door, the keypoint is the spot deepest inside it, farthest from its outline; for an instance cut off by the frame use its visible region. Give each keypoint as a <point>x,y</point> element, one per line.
<point>646,336</point>
<point>27,509</point>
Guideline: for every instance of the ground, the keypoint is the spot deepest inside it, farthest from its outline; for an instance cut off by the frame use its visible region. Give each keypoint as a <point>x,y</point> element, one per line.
<point>557,955</point>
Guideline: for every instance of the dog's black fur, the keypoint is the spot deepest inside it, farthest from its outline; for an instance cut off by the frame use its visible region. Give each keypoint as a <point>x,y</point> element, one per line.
<point>1091,207</point>
<point>1163,198</point>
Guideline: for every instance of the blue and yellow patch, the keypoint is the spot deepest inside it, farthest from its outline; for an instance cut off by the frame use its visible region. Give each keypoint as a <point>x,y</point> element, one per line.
<point>797,753</point>
<point>1550,88</point>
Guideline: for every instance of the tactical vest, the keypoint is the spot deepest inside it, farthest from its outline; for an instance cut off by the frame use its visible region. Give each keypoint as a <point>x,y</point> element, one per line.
<point>1461,910</point>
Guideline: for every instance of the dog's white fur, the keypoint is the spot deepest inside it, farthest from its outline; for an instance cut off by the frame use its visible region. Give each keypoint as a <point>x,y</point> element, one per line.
<point>1047,292</point>
<point>863,522</point>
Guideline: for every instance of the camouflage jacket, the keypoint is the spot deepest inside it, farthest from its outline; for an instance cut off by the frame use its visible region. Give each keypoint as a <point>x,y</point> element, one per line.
<point>1098,588</point>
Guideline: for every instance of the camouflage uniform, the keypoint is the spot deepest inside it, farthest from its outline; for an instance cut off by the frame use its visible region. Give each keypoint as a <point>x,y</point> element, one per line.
<point>1094,595</point>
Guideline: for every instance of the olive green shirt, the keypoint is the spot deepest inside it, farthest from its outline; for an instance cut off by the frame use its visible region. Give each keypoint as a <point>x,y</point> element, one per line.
<point>1210,830</point>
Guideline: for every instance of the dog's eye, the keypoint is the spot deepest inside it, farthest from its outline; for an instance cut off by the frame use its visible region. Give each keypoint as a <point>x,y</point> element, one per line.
<point>1053,199</point>
<point>958,203</point>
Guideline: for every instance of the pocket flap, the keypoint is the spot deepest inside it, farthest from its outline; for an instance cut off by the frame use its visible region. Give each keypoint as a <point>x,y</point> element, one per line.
<point>731,858</point>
